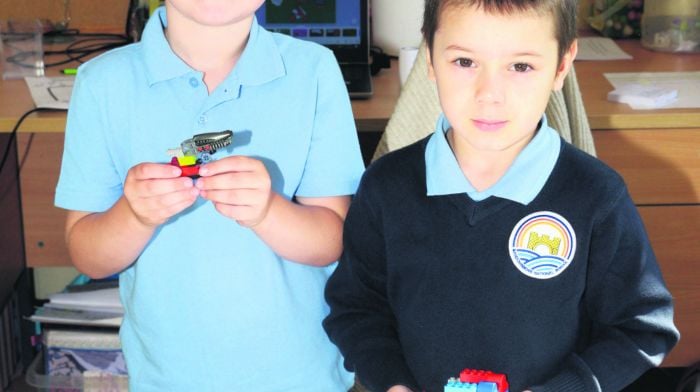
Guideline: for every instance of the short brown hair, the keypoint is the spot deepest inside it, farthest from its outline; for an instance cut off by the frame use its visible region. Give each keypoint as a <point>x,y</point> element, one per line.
<point>564,12</point>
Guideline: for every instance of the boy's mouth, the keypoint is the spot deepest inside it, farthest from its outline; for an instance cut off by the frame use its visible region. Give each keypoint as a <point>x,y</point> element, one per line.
<point>488,125</point>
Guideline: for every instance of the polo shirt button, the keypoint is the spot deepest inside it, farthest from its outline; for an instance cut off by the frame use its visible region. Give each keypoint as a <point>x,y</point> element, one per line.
<point>194,82</point>
<point>202,119</point>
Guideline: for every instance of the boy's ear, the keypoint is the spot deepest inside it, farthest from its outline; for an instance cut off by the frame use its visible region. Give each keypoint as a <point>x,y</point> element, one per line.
<point>567,62</point>
<point>429,60</point>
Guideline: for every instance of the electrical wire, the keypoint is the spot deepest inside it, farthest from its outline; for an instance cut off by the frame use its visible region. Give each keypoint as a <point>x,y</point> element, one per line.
<point>15,129</point>
<point>78,50</point>
<point>84,45</point>
<point>23,160</point>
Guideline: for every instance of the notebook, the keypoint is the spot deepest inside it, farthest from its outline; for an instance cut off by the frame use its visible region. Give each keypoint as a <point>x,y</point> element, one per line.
<point>340,25</point>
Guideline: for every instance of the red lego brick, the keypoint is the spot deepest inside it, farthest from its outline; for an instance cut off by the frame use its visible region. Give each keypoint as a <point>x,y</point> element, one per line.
<point>476,376</point>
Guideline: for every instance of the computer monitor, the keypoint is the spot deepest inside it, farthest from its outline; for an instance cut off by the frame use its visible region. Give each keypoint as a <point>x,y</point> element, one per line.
<point>341,26</point>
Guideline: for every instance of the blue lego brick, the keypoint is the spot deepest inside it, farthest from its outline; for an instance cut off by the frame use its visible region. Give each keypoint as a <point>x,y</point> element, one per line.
<point>454,385</point>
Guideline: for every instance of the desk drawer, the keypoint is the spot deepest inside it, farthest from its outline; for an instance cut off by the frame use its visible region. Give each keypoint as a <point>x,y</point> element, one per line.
<point>660,166</point>
<point>43,223</point>
<point>674,232</point>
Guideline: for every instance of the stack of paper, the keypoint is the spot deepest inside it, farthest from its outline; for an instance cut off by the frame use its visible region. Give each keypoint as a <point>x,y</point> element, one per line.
<point>657,88</point>
<point>97,307</point>
<point>600,48</point>
<point>640,96</point>
<point>51,92</point>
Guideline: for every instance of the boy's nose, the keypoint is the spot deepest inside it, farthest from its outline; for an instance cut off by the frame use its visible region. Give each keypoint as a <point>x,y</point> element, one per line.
<point>489,88</point>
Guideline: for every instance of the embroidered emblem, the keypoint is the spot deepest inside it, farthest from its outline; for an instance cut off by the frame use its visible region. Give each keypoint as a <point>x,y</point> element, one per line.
<point>542,245</point>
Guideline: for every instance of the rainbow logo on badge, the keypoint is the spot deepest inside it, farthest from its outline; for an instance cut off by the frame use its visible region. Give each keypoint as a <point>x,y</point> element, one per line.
<point>542,245</point>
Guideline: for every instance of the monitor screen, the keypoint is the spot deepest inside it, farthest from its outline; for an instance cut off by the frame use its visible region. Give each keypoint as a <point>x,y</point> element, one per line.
<point>327,22</point>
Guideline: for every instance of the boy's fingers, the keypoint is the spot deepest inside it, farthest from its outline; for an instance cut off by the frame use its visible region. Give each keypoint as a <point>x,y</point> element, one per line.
<point>236,163</point>
<point>171,201</point>
<point>155,210</point>
<point>145,171</point>
<point>232,180</point>
<point>156,188</point>
<point>240,197</point>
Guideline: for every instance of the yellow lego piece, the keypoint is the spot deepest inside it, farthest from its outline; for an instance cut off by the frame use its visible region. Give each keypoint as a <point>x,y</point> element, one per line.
<point>187,160</point>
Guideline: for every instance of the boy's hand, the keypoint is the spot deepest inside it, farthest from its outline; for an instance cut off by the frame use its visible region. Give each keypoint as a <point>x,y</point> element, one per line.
<point>239,186</point>
<point>399,388</point>
<point>155,192</point>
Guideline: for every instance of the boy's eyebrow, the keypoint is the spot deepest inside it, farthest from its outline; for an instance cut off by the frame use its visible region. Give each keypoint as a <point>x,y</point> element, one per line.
<point>457,47</point>
<point>518,54</point>
<point>527,54</point>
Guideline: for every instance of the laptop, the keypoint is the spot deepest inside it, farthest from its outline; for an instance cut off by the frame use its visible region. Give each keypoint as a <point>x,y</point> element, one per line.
<point>340,25</point>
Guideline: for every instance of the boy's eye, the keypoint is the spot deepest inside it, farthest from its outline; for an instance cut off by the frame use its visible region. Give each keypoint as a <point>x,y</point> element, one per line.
<point>465,63</point>
<point>521,67</point>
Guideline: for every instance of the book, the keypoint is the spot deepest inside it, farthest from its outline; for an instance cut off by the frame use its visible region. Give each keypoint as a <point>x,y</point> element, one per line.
<point>100,307</point>
<point>46,314</point>
<point>96,299</point>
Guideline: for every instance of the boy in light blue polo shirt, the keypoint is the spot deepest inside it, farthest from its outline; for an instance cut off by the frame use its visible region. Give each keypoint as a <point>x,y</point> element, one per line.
<point>221,278</point>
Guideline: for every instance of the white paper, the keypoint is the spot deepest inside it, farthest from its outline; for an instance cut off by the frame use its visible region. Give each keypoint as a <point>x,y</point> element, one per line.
<point>110,309</point>
<point>687,84</point>
<point>643,96</point>
<point>75,317</point>
<point>105,298</point>
<point>50,92</point>
<point>600,48</point>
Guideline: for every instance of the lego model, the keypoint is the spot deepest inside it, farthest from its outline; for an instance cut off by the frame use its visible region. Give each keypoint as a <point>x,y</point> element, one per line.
<point>197,150</point>
<point>471,380</point>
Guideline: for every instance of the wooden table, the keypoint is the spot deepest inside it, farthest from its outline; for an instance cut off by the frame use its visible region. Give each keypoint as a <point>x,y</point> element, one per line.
<point>657,152</point>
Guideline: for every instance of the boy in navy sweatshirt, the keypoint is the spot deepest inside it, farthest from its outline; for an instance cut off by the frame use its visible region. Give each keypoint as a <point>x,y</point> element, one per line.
<point>493,244</point>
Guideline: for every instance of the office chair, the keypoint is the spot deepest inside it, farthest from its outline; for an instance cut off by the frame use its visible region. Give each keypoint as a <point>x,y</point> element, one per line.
<point>418,108</point>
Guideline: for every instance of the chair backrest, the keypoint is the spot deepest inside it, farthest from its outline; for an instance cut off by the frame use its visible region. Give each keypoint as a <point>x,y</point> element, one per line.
<point>418,108</point>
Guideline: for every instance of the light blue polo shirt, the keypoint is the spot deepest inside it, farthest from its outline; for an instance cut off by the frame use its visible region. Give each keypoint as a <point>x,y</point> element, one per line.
<point>209,307</point>
<point>522,181</point>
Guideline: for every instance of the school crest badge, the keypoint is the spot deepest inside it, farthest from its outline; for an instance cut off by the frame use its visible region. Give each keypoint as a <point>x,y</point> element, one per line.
<point>542,245</point>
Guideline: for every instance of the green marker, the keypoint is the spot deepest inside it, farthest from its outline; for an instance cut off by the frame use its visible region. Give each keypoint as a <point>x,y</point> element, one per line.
<point>70,71</point>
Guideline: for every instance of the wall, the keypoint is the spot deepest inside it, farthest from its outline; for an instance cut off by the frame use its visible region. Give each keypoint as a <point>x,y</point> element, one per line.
<point>86,15</point>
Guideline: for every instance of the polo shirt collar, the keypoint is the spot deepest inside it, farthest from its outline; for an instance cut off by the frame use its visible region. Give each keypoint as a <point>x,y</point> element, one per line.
<point>521,183</point>
<point>260,62</point>
<point>161,62</point>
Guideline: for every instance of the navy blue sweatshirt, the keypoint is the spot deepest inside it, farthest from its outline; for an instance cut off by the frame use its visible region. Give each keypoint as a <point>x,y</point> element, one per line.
<point>428,286</point>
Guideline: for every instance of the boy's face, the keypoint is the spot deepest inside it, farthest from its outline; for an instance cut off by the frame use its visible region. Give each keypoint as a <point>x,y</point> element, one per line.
<point>494,74</point>
<point>216,12</point>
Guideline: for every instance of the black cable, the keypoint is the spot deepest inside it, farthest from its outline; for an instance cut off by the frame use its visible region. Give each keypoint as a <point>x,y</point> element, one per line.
<point>75,51</point>
<point>79,54</point>
<point>380,60</point>
<point>26,152</point>
<point>80,49</point>
<point>13,134</point>
<point>85,44</point>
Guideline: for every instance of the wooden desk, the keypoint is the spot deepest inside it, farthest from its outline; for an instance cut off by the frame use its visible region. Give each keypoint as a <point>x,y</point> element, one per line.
<point>657,152</point>
<point>372,115</point>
